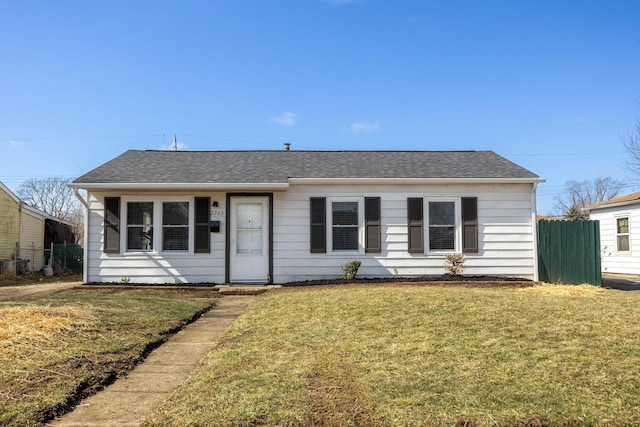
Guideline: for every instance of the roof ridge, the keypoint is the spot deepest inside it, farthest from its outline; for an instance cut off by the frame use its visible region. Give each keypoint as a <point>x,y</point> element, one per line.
<point>312,151</point>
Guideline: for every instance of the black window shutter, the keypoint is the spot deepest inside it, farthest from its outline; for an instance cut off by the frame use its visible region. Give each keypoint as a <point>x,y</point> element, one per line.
<point>372,226</point>
<point>202,239</point>
<point>112,225</point>
<point>415,224</point>
<point>469,224</point>
<point>318,225</point>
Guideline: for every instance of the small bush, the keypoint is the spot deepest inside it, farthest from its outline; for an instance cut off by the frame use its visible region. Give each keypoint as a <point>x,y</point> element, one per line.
<point>454,263</point>
<point>350,269</point>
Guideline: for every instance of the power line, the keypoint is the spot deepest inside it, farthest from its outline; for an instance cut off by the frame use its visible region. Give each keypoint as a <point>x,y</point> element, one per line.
<point>244,141</point>
<point>65,138</point>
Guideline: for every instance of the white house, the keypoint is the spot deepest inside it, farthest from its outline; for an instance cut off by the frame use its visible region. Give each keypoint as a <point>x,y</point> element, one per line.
<point>281,216</point>
<point>619,233</point>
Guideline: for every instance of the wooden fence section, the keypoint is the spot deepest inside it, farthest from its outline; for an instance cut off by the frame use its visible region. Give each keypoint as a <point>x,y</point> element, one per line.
<point>569,252</point>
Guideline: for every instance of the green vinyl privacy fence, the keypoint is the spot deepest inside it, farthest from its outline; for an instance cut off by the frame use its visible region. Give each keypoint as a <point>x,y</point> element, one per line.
<point>569,252</point>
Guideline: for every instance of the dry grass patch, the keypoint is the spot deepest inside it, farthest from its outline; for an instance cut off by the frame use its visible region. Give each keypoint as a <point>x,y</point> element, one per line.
<point>414,356</point>
<point>57,348</point>
<point>29,329</point>
<point>585,290</point>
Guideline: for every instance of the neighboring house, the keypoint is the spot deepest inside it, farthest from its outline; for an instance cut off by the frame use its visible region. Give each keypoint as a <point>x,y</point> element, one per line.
<point>25,233</point>
<point>619,233</point>
<point>281,216</point>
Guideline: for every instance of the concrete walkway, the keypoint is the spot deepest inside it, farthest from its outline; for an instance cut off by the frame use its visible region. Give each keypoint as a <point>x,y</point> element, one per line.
<point>129,400</point>
<point>623,282</point>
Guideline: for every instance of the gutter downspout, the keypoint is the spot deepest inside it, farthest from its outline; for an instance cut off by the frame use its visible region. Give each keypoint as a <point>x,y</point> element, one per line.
<point>85,251</point>
<point>79,197</point>
<point>534,230</point>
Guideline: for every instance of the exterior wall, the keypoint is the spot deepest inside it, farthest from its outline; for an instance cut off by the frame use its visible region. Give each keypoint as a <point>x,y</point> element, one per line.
<point>151,267</point>
<point>506,237</point>
<point>505,233</point>
<point>9,225</point>
<point>31,241</point>
<point>612,260</point>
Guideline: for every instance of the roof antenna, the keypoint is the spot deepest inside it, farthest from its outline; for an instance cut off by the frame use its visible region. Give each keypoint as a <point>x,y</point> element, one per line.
<point>175,142</point>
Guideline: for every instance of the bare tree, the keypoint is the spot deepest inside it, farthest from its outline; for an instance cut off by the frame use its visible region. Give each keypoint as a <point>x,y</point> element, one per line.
<point>632,145</point>
<point>580,194</point>
<point>55,197</point>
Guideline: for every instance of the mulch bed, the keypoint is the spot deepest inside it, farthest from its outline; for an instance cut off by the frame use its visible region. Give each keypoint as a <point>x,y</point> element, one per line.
<point>444,280</point>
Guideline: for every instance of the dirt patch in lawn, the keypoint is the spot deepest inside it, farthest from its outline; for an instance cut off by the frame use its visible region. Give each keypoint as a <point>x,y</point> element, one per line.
<point>74,345</point>
<point>96,371</point>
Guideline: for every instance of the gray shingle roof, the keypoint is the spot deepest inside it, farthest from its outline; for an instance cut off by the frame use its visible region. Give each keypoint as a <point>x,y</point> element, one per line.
<point>201,167</point>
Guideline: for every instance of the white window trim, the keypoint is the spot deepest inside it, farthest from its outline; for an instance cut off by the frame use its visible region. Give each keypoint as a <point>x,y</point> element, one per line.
<point>616,217</point>
<point>457,226</point>
<point>329,224</point>
<point>157,224</point>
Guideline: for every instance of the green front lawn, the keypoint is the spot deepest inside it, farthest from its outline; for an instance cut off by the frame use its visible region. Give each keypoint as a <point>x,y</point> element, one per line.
<point>56,348</point>
<point>414,356</point>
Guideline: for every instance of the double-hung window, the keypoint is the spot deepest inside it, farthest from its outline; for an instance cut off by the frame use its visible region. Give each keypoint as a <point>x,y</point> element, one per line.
<point>172,224</point>
<point>344,227</point>
<point>442,226</point>
<point>622,234</point>
<point>449,225</point>
<point>140,226</point>
<point>175,226</point>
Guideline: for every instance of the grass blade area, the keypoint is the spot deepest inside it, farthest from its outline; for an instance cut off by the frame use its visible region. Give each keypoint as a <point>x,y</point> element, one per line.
<point>414,356</point>
<point>57,348</point>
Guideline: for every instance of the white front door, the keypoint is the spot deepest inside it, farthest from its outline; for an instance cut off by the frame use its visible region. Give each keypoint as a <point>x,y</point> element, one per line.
<point>249,240</point>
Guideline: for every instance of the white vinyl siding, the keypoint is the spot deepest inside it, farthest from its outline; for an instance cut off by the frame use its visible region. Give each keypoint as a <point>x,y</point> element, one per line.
<point>506,245</point>
<point>615,260</point>
<point>505,232</point>
<point>158,266</point>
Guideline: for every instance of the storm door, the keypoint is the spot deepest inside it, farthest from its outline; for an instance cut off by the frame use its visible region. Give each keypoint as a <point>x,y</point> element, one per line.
<point>249,240</point>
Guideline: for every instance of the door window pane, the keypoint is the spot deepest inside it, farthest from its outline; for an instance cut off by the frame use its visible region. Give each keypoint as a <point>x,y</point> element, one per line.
<point>249,228</point>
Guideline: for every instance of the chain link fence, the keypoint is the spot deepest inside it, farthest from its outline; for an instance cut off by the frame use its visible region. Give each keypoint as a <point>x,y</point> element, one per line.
<point>62,258</point>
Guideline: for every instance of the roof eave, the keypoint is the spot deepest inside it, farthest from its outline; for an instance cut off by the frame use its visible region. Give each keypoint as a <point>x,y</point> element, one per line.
<point>180,186</point>
<point>285,185</point>
<point>611,205</point>
<point>408,181</point>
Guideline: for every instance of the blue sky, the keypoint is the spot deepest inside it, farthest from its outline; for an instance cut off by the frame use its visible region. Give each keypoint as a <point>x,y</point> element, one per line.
<point>551,85</point>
